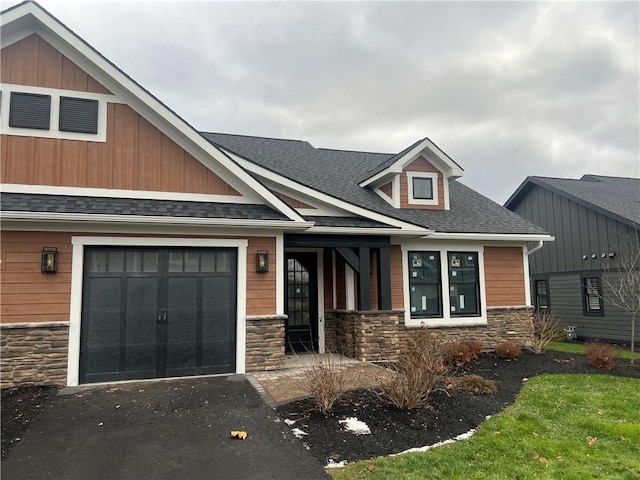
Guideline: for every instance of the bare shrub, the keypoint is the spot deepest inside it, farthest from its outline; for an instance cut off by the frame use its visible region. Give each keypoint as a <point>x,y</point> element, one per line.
<point>508,350</point>
<point>463,352</point>
<point>327,380</point>
<point>546,329</point>
<point>473,384</point>
<point>419,370</point>
<point>600,355</point>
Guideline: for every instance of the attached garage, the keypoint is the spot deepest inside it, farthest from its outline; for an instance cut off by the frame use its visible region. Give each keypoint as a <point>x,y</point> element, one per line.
<point>157,312</point>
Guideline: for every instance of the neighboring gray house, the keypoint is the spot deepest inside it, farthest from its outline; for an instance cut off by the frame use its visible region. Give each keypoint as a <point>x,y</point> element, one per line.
<point>595,221</point>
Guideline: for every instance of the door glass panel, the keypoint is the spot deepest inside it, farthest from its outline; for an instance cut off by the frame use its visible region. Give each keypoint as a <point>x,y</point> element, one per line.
<point>142,308</point>
<point>176,262</point>
<point>223,262</point>
<point>98,262</point>
<point>116,262</point>
<point>134,262</point>
<point>208,262</point>
<point>191,261</point>
<point>150,262</point>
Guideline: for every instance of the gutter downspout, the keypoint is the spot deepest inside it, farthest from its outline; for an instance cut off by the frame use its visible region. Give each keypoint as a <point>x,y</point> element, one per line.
<point>536,248</point>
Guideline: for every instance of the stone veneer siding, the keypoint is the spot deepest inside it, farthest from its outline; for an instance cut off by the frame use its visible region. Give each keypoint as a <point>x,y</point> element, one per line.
<point>380,335</point>
<point>265,343</point>
<point>33,354</point>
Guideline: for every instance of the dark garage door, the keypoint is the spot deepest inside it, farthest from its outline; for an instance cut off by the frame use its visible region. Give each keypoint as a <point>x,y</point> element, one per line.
<point>150,313</point>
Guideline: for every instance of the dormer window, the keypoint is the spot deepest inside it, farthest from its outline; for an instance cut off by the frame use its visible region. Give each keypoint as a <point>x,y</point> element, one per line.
<point>422,188</point>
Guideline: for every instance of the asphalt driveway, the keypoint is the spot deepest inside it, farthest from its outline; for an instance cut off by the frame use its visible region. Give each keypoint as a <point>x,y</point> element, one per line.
<point>171,429</point>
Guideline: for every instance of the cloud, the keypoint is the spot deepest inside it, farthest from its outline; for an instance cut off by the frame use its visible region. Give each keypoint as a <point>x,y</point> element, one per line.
<point>508,89</point>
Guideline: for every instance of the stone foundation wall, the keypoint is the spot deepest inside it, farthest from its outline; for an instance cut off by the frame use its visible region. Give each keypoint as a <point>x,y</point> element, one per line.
<point>265,343</point>
<point>33,354</point>
<point>374,336</point>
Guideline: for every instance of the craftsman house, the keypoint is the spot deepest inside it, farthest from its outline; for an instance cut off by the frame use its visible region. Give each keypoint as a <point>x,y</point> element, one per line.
<point>595,222</point>
<point>134,246</point>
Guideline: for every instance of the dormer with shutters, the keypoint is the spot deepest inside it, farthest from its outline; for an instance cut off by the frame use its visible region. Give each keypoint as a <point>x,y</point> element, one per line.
<point>416,178</point>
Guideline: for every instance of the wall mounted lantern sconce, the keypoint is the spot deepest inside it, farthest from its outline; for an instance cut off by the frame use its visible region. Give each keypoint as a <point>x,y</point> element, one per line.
<point>49,260</point>
<point>262,261</point>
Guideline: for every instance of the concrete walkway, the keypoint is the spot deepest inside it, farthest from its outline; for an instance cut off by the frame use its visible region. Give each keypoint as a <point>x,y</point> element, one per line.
<point>283,386</point>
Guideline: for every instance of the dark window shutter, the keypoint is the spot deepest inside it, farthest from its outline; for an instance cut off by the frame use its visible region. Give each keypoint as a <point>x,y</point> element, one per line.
<point>30,110</point>
<point>78,115</point>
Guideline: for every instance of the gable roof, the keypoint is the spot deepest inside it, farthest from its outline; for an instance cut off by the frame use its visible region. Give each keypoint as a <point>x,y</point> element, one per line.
<point>29,17</point>
<point>616,197</point>
<point>337,173</point>
<point>394,164</point>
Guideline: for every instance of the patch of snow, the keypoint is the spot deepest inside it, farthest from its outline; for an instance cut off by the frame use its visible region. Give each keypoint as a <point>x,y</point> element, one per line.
<point>462,436</point>
<point>289,422</point>
<point>355,426</point>
<point>298,433</point>
<point>333,464</point>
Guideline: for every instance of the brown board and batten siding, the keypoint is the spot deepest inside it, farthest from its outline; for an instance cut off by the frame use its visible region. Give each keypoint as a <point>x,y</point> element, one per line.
<point>32,61</point>
<point>420,165</point>
<point>504,276</point>
<point>136,155</point>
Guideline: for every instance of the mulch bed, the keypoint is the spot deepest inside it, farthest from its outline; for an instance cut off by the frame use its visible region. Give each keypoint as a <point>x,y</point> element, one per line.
<point>448,415</point>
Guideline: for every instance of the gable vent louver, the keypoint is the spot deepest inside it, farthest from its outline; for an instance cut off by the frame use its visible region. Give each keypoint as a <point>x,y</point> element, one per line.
<point>30,110</point>
<point>78,115</point>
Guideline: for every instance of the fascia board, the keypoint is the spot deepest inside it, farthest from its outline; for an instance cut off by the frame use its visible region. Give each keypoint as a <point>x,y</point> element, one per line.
<point>493,236</point>
<point>323,197</point>
<point>144,219</point>
<point>142,101</point>
<point>367,231</point>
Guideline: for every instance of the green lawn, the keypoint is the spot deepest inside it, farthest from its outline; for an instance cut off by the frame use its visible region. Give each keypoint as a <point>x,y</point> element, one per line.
<point>578,349</point>
<point>562,427</point>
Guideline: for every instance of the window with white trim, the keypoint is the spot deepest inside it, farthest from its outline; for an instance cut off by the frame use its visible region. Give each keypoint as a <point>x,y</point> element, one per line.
<point>428,289</point>
<point>464,284</point>
<point>425,284</point>
<point>422,188</point>
<point>592,296</point>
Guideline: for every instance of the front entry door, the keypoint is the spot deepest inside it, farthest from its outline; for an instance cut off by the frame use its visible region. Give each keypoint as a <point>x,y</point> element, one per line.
<point>150,313</point>
<point>302,303</point>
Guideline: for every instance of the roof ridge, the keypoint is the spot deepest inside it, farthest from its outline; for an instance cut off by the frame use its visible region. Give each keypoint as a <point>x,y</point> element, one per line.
<point>256,136</point>
<point>353,151</point>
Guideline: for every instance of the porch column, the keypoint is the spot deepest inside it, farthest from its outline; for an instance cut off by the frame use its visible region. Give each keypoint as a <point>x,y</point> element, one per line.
<point>384,278</point>
<point>364,279</point>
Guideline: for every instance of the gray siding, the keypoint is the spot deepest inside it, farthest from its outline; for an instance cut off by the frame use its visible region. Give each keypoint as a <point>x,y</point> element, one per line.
<point>578,230</point>
<point>566,302</point>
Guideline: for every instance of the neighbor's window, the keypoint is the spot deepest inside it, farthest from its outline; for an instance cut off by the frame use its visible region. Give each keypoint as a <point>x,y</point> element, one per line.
<point>78,115</point>
<point>541,288</point>
<point>30,110</point>
<point>425,284</point>
<point>422,188</point>
<point>592,298</point>
<point>464,283</point>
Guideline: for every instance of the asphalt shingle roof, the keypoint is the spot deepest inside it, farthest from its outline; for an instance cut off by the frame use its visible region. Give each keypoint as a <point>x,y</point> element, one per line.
<point>619,196</point>
<point>338,172</point>
<point>27,202</point>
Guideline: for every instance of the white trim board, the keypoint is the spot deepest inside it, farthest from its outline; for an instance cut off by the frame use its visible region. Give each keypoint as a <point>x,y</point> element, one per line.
<point>117,193</point>
<point>77,278</point>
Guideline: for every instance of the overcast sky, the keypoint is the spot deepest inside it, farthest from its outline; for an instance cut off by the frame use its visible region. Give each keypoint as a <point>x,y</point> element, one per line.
<point>507,89</point>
